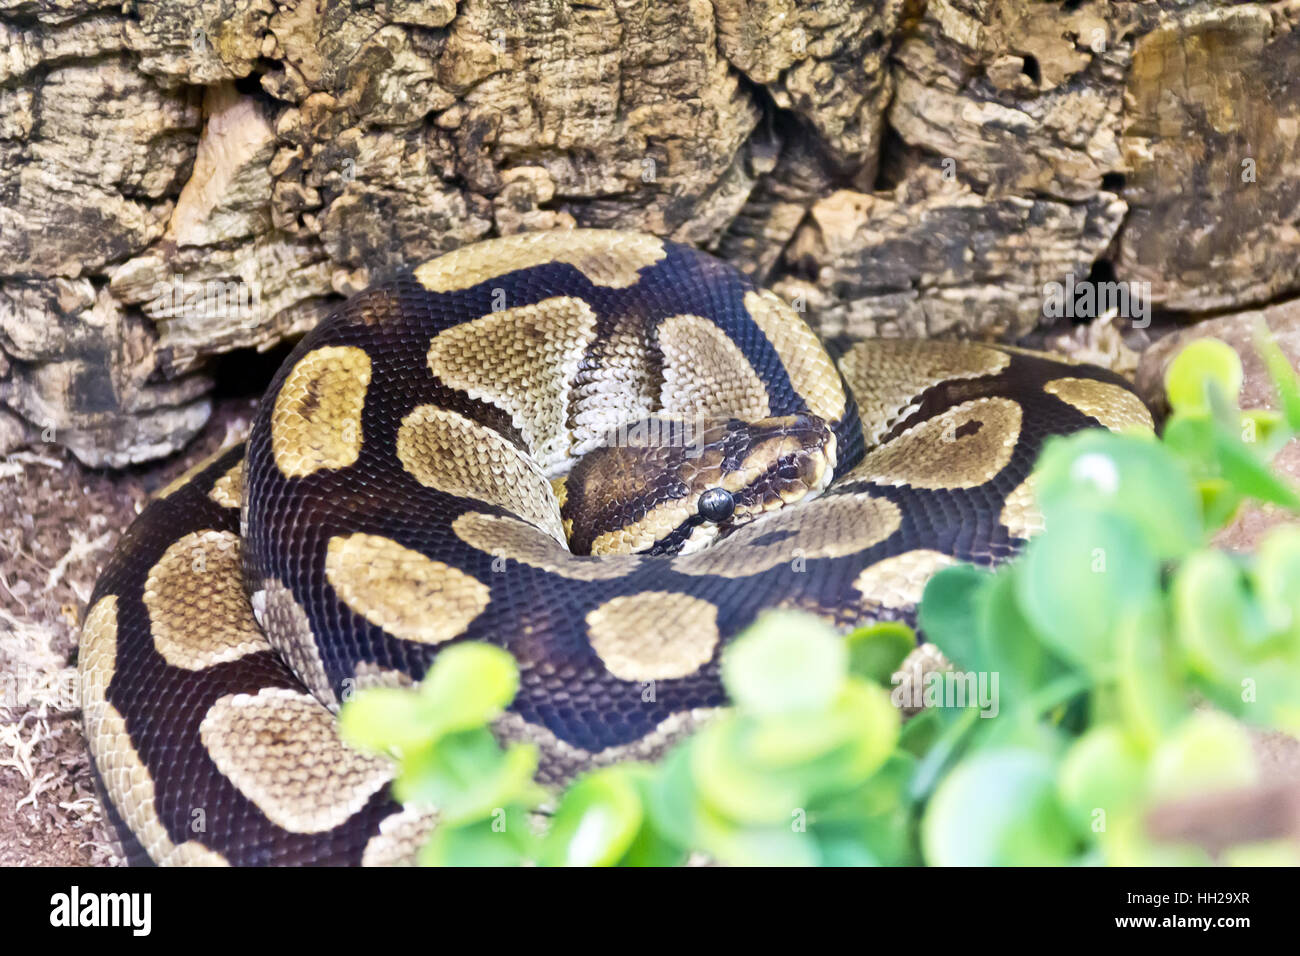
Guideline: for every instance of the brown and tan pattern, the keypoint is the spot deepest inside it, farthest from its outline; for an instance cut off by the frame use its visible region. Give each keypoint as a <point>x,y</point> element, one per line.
<point>522,360</point>
<point>961,448</point>
<point>514,540</point>
<point>125,778</point>
<point>408,595</point>
<point>561,761</point>
<point>316,423</point>
<point>228,490</point>
<point>613,264</point>
<point>399,838</point>
<point>655,635</point>
<point>198,613</point>
<point>1020,514</point>
<point>287,625</point>
<point>1116,408</point>
<point>449,452</point>
<point>130,786</point>
<point>829,527</point>
<point>812,373</point>
<point>705,375</point>
<point>887,375</point>
<point>183,480</point>
<point>97,657</point>
<point>896,582</point>
<point>281,749</point>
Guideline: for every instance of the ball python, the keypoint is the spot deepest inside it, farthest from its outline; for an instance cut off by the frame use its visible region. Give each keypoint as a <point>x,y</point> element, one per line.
<point>602,451</point>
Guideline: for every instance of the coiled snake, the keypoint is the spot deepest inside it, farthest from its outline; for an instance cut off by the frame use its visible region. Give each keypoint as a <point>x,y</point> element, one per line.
<point>602,451</point>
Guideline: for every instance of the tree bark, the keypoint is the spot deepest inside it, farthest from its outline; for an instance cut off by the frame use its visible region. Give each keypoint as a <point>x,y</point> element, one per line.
<point>183,179</point>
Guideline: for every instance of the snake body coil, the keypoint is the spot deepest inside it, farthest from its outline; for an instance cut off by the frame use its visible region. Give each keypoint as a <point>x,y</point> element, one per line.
<point>602,451</point>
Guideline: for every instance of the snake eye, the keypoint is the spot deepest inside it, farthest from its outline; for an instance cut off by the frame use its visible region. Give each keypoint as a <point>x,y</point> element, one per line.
<point>716,504</point>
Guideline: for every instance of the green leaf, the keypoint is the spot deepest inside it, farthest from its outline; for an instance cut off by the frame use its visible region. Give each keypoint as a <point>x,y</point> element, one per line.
<point>1078,577</point>
<point>1202,365</point>
<point>597,822</point>
<point>784,663</point>
<point>1208,752</point>
<point>947,611</point>
<point>469,685</point>
<point>1013,650</point>
<point>1122,476</point>
<point>1103,771</point>
<point>1210,615</point>
<point>1150,689</point>
<point>1276,580</point>
<point>383,719</point>
<point>876,652</point>
<point>1283,375</point>
<point>501,839</point>
<point>466,775</point>
<point>998,808</point>
<point>1250,474</point>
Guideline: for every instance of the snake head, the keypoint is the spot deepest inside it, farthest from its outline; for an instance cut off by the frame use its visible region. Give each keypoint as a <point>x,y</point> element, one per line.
<point>665,486</point>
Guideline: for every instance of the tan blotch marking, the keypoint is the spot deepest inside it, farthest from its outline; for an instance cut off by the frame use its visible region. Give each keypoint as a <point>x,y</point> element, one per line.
<point>456,455</point>
<point>369,674</point>
<point>560,488</point>
<point>619,383</point>
<point>899,581</point>
<point>228,490</point>
<point>176,484</point>
<point>658,523</point>
<point>705,374</point>
<point>127,782</point>
<point>1111,405</point>
<point>281,750</point>
<point>97,656</point>
<point>960,448</point>
<point>654,635</point>
<point>130,788</point>
<point>513,540</point>
<point>828,527</point>
<point>316,422</point>
<point>607,258</point>
<point>410,596</point>
<point>198,613</point>
<point>1020,514</point>
<point>887,375</point>
<point>289,630</point>
<point>812,373</point>
<point>561,761</point>
<point>400,838</point>
<point>522,360</point>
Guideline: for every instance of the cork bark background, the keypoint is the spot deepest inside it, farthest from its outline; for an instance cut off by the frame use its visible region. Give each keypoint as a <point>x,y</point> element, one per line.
<point>185,179</point>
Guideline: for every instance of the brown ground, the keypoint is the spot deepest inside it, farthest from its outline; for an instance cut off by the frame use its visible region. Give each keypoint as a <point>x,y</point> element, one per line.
<point>58,524</point>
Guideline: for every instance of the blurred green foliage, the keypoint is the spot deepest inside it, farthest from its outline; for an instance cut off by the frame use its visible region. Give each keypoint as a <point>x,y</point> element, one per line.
<point>1123,652</point>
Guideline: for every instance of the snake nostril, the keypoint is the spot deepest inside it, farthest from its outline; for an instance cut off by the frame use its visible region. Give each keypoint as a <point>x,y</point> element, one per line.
<point>716,505</point>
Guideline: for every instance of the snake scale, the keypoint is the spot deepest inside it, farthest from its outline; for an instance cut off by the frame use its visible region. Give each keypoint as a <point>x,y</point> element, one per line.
<point>603,451</point>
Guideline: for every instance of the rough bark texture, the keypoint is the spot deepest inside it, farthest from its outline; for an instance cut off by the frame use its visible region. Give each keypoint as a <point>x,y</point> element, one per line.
<point>182,179</point>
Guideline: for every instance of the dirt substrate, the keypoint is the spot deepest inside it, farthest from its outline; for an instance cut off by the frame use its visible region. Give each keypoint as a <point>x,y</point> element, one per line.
<point>58,525</point>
